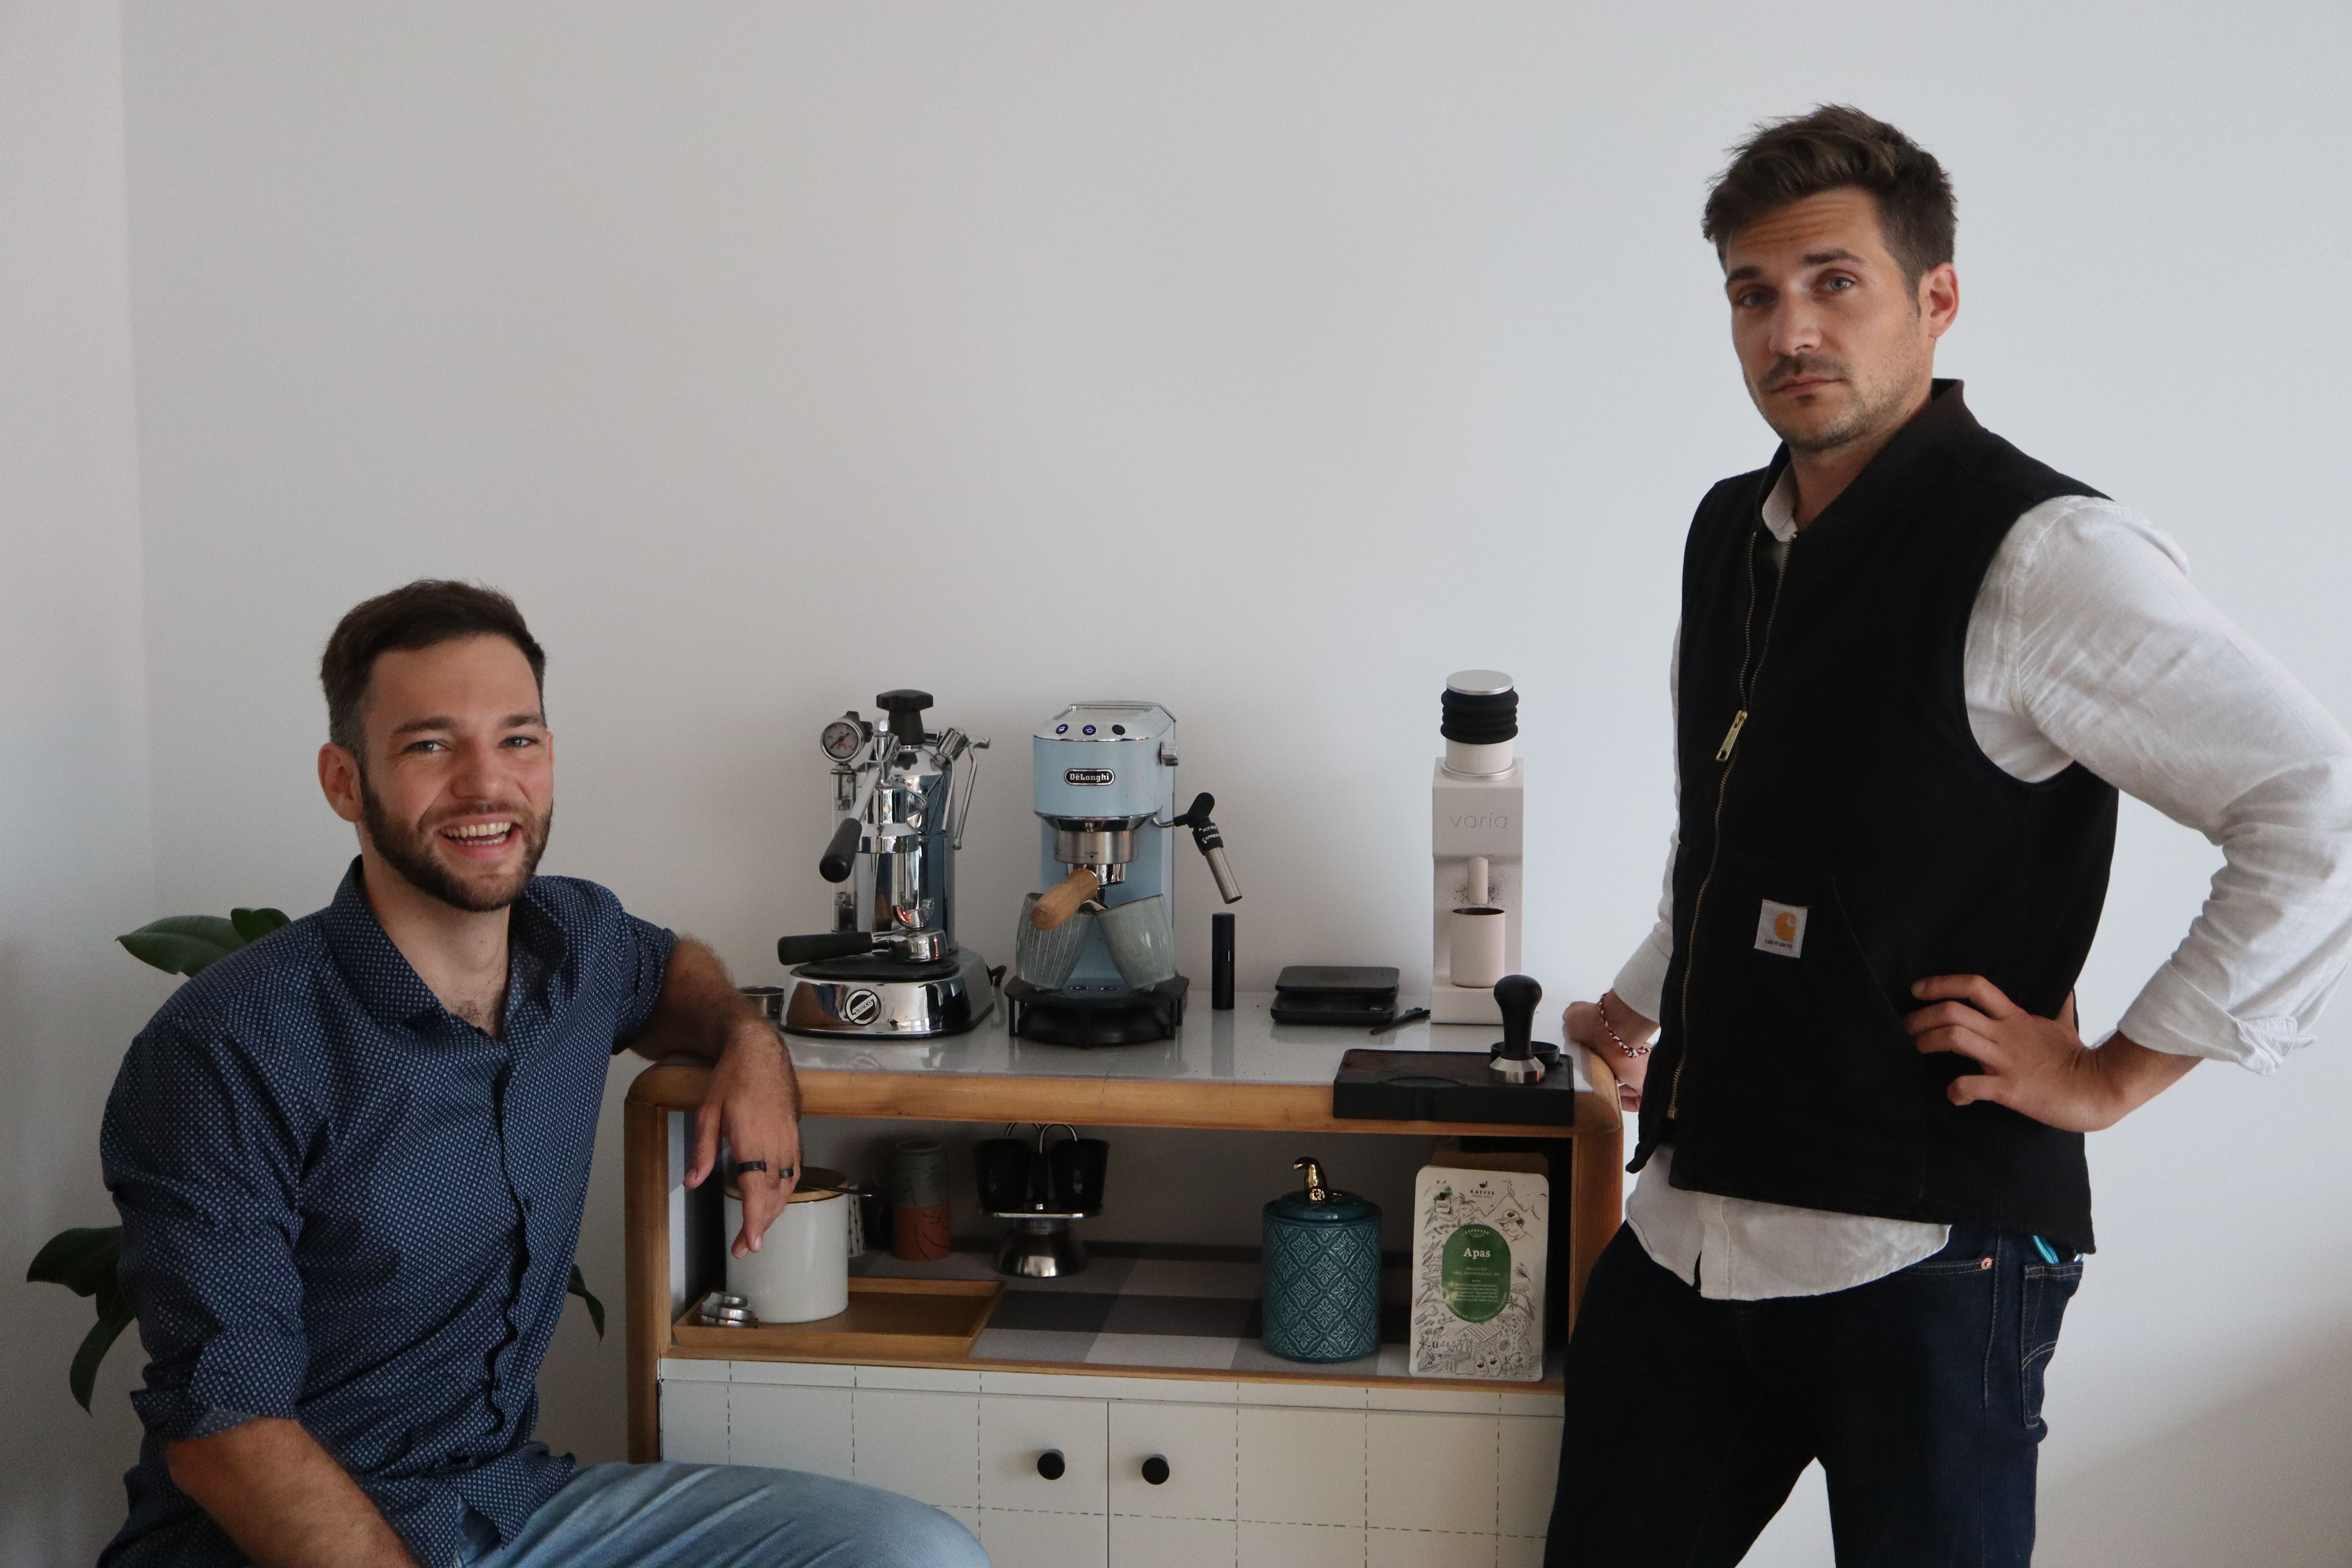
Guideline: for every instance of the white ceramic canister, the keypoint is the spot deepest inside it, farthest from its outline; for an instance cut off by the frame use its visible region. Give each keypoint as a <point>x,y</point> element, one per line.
<point>800,1272</point>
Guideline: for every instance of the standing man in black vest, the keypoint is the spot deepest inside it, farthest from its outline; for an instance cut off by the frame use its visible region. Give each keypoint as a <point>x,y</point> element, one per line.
<point>1914,666</point>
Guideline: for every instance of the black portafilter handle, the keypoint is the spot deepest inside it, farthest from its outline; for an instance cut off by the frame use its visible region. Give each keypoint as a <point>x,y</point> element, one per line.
<point>905,707</point>
<point>1517,995</point>
<point>792,949</point>
<point>840,856</point>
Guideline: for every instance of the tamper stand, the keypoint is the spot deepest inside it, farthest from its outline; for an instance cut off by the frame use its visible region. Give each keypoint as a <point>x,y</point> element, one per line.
<point>1520,1081</point>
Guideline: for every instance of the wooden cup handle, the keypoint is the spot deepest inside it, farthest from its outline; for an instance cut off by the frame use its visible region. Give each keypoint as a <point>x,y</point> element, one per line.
<point>1061,900</point>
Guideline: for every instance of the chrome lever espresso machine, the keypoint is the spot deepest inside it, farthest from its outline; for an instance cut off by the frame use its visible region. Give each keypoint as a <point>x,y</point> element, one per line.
<point>892,966</point>
<point>1096,956</point>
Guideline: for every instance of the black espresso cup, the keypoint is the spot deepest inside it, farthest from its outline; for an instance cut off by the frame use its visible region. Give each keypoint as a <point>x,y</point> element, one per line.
<point>1074,1171</point>
<point>1008,1175</point>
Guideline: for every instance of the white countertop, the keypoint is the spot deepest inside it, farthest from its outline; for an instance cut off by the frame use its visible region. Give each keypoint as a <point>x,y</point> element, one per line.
<point>1244,1046</point>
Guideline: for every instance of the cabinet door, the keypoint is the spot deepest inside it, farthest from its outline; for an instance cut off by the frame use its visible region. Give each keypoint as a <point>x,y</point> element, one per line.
<point>1530,1465</point>
<point>1195,1442</point>
<point>923,1445</point>
<point>1016,1430</point>
<point>790,1428</point>
<point>1013,1538</point>
<point>694,1422</point>
<point>1431,1472</point>
<point>1302,1468</point>
<point>1262,1545</point>
<point>1136,1542</point>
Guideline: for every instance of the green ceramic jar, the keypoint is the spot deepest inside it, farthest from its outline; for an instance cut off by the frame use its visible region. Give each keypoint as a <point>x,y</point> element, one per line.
<point>1322,1272</point>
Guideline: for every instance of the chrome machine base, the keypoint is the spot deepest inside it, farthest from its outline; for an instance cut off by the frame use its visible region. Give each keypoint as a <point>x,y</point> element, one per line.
<point>916,1009</point>
<point>1041,1247</point>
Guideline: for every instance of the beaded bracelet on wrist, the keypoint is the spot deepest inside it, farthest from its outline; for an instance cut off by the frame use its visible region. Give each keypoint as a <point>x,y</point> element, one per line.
<point>1632,1053</point>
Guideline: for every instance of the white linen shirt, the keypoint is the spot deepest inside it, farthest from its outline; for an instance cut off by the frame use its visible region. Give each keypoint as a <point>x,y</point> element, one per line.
<point>2087,643</point>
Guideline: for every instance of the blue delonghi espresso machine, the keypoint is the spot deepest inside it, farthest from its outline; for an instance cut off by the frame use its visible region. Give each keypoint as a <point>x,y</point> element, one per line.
<point>1106,801</point>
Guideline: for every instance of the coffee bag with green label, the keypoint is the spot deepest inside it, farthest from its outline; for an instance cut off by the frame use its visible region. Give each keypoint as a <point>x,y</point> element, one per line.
<point>1478,1273</point>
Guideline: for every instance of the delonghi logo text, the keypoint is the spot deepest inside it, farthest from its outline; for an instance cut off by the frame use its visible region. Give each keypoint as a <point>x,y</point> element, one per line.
<point>1087,775</point>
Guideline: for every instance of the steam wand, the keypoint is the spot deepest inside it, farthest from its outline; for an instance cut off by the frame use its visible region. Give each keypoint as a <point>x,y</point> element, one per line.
<point>1211,844</point>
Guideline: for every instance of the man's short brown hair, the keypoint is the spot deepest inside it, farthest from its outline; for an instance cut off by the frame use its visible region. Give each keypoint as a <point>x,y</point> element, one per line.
<point>1836,146</point>
<point>427,612</point>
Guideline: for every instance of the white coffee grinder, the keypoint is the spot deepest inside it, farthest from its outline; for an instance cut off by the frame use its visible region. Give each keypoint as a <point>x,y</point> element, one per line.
<point>1477,847</point>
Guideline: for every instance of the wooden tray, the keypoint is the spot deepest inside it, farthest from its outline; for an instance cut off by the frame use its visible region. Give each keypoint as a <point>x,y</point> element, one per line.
<point>888,1319</point>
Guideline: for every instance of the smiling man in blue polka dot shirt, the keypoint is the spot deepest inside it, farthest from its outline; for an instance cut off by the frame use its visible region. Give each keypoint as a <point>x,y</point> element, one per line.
<point>351,1160</point>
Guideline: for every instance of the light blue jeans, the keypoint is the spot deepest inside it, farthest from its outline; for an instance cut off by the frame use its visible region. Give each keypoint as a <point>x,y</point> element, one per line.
<point>726,1516</point>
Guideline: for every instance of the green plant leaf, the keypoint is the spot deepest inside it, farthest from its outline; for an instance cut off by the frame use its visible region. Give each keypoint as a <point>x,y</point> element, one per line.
<point>82,1259</point>
<point>254,924</point>
<point>579,1287</point>
<point>82,1376</point>
<point>183,944</point>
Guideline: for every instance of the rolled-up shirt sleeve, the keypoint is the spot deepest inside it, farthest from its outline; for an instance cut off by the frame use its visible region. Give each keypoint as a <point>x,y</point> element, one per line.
<point>645,949</point>
<point>205,1163</point>
<point>1640,984</point>
<point>2123,665</point>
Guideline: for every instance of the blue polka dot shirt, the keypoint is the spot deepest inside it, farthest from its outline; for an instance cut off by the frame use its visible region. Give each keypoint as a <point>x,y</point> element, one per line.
<point>344,1204</point>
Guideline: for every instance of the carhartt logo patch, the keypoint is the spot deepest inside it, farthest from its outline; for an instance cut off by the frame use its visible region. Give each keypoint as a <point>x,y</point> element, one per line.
<point>1781,929</point>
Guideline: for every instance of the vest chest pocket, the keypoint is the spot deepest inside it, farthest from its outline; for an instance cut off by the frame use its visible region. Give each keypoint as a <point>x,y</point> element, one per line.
<point>1799,1069</point>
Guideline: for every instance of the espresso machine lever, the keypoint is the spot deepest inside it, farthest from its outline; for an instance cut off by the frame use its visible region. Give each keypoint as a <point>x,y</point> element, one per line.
<point>840,856</point>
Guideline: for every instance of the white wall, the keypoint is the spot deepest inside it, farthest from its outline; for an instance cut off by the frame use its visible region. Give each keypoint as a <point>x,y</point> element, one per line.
<point>75,852</point>
<point>1270,361</point>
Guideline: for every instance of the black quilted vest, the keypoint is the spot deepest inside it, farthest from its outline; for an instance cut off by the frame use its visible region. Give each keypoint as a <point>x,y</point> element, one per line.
<point>1854,839</point>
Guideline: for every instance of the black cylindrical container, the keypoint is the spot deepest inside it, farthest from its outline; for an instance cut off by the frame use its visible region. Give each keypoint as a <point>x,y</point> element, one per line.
<point>1221,962</point>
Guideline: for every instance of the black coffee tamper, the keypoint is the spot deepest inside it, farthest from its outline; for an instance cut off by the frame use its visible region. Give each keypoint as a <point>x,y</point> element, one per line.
<point>1515,1059</point>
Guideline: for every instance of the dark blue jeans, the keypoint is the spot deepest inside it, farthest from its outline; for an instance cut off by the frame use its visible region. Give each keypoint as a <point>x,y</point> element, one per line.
<point>1689,1420</point>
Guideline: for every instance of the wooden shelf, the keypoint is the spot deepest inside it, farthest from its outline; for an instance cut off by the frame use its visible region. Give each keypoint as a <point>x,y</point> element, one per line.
<point>911,1322</point>
<point>1550,1384</point>
<point>1225,1106</point>
<point>1238,1077</point>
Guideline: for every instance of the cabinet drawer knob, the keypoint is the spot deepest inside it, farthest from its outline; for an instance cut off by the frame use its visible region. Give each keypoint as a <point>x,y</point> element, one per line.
<point>1155,1470</point>
<point>1050,1466</point>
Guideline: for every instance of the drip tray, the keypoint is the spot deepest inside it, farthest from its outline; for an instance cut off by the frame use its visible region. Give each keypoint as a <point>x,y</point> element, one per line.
<point>1449,1086</point>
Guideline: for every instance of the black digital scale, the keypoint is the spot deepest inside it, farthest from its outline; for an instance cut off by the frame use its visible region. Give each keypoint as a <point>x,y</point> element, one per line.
<point>1349,996</point>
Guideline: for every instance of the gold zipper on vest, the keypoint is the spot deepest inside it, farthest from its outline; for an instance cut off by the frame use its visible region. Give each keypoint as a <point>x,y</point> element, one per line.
<point>1748,649</point>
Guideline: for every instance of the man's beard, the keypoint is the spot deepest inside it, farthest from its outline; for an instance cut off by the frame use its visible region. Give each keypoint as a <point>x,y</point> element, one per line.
<point>1872,411</point>
<point>409,851</point>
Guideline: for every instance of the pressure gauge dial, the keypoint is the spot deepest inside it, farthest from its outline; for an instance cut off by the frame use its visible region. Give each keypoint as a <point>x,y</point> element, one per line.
<point>844,738</point>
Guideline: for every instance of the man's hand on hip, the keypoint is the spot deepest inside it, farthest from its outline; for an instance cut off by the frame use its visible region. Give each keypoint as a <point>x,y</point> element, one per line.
<point>2036,1066</point>
<point>754,1101</point>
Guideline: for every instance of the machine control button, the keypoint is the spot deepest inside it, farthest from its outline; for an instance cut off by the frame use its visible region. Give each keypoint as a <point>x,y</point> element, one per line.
<point>1088,731</point>
<point>1118,729</point>
<point>1061,729</point>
